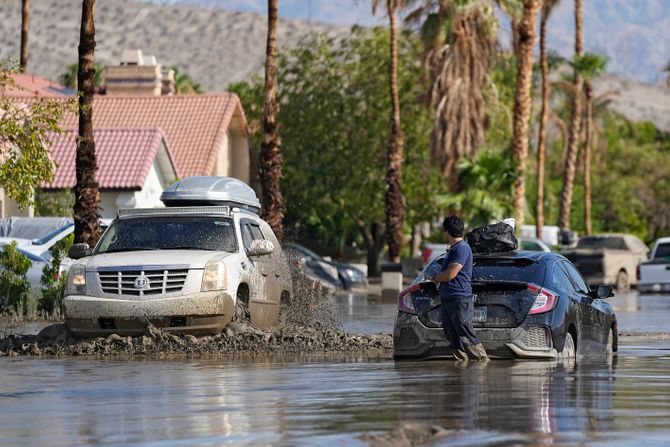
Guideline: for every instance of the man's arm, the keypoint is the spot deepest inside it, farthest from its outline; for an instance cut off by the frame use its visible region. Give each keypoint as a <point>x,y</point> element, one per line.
<point>449,273</point>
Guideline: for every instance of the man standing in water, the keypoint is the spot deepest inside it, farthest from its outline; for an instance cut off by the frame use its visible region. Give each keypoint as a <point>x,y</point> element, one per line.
<point>456,294</point>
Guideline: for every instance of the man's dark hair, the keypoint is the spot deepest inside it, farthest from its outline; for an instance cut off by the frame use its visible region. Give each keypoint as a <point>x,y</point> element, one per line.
<point>454,225</point>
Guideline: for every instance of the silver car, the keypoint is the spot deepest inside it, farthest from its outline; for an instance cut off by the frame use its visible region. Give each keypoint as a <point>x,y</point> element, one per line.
<point>181,268</point>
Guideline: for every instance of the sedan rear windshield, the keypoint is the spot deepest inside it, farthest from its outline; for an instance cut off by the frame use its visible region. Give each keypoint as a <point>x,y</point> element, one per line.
<point>170,233</point>
<point>507,269</point>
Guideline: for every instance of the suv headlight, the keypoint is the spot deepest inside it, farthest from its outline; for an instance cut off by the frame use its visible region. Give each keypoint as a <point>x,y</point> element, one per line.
<point>214,277</point>
<point>76,280</point>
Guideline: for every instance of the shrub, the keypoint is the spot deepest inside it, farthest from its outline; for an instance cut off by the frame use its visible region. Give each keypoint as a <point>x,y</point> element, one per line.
<point>13,283</point>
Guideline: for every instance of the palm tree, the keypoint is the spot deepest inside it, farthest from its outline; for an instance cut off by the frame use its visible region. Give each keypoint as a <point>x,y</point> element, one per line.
<point>25,26</point>
<point>460,48</point>
<point>522,103</point>
<point>588,66</point>
<point>87,196</point>
<point>575,124</point>
<point>271,160</point>
<point>547,8</point>
<point>393,199</point>
<point>69,77</point>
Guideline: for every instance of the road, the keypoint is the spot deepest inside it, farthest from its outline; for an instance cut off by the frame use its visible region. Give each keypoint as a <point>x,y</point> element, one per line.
<point>317,400</point>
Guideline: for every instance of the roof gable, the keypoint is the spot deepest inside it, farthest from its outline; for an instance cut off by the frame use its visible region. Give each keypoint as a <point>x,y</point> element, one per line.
<point>195,125</point>
<point>124,157</point>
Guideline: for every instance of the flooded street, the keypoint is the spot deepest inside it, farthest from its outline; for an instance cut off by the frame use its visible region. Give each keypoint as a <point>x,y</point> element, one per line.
<point>333,400</point>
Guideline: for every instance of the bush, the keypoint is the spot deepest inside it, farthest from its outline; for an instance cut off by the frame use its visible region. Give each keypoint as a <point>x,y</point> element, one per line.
<point>13,283</point>
<point>52,282</point>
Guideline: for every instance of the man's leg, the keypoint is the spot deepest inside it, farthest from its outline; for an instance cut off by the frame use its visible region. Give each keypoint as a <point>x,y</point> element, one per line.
<point>462,323</point>
<point>450,307</point>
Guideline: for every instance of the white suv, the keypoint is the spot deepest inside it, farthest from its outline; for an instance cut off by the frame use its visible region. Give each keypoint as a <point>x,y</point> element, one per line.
<point>181,268</point>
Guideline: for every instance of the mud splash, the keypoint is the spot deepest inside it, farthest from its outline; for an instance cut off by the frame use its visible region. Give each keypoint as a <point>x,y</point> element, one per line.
<point>308,324</point>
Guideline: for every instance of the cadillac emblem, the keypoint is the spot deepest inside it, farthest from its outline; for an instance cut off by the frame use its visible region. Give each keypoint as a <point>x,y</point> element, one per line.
<point>141,282</point>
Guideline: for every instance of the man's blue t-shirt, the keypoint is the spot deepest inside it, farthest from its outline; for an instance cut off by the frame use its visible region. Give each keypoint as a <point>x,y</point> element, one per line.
<point>461,285</point>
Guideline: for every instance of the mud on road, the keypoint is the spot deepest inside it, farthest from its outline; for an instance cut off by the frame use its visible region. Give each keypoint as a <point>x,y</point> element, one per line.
<point>308,324</point>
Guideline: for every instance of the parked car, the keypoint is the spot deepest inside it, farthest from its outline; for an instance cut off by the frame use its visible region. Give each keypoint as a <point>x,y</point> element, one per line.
<point>36,235</point>
<point>532,305</point>
<point>533,244</point>
<point>431,251</point>
<point>340,274</point>
<point>322,272</point>
<point>608,259</point>
<point>34,273</point>
<point>182,268</point>
<point>654,275</point>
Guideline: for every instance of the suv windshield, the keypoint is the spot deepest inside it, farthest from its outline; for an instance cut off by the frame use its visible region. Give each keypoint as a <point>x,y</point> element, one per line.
<point>616,243</point>
<point>166,233</point>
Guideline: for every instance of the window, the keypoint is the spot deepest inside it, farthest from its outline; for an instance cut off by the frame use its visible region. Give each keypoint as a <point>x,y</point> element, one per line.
<point>507,269</point>
<point>561,278</point>
<point>662,251</point>
<point>576,278</point>
<point>170,233</point>
<point>531,246</point>
<point>613,242</point>
<point>251,231</point>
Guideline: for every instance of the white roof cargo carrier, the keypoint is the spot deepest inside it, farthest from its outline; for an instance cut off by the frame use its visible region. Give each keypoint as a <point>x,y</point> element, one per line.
<point>211,191</point>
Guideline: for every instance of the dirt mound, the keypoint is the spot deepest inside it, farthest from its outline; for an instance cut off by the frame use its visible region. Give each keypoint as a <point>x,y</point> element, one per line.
<point>308,324</point>
<point>236,338</point>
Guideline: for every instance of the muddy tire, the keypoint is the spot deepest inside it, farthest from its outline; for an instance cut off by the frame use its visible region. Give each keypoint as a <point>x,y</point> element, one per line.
<point>622,282</point>
<point>609,346</point>
<point>568,355</point>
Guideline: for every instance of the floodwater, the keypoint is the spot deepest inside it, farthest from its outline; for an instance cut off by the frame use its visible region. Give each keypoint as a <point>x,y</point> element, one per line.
<point>319,400</point>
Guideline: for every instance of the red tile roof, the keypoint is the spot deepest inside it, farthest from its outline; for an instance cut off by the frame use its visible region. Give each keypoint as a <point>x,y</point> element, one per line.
<point>195,125</point>
<point>28,85</point>
<point>124,157</point>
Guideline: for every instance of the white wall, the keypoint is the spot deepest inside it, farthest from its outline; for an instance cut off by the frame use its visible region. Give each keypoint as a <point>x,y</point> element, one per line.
<point>148,197</point>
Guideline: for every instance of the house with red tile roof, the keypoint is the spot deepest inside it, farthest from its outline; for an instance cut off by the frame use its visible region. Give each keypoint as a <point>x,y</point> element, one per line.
<point>207,133</point>
<point>28,86</point>
<point>134,167</point>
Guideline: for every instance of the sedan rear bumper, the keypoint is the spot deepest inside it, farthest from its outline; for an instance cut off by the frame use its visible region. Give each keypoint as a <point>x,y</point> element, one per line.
<point>197,313</point>
<point>411,339</point>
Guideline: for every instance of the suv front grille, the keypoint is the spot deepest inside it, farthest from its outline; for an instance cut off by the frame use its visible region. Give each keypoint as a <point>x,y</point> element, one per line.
<point>160,282</point>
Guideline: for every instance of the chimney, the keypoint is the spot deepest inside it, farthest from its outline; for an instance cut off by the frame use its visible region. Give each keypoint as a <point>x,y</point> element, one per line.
<point>136,75</point>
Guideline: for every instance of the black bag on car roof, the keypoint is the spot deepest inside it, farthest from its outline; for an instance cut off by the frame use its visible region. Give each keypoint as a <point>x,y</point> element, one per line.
<point>495,238</point>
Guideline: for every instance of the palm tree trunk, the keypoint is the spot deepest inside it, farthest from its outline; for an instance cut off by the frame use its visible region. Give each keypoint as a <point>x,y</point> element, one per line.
<point>573,136</point>
<point>522,103</point>
<point>25,26</point>
<point>394,200</point>
<point>544,118</point>
<point>587,157</point>
<point>271,160</point>
<point>87,195</point>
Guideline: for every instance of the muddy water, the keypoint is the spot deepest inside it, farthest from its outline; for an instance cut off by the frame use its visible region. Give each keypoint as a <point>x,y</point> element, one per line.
<point>307,401</point>
<point>319,400</point>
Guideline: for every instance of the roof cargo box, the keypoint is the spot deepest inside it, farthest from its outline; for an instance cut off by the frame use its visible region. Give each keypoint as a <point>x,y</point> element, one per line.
<point>211,191</point>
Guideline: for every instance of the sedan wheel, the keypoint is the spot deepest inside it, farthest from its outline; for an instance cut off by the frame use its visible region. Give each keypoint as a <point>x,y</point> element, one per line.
<point>568,355</point>
<point>609,347</point>
<point>622,284</point>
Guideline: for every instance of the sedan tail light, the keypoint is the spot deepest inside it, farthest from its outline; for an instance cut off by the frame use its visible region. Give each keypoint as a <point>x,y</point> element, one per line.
<point>637,272</point>
<point>544,301</point>
<point>405,301</point>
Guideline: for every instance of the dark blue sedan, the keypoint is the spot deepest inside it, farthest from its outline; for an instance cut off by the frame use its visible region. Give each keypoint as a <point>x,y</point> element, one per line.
<point>532,305</point>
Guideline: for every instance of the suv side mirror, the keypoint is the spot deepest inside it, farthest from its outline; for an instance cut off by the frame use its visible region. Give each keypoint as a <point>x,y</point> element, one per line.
<point>78,251</point>
<point>261,247</point>
<point>602,292</point>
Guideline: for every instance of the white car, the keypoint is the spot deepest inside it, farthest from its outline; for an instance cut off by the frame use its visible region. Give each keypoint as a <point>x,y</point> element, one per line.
<point>654,275</point>
<point>182,268</point>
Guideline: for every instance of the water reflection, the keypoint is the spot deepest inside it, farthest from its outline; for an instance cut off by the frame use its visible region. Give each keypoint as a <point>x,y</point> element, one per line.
<point>535,397</point>
<point>325,400</point>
